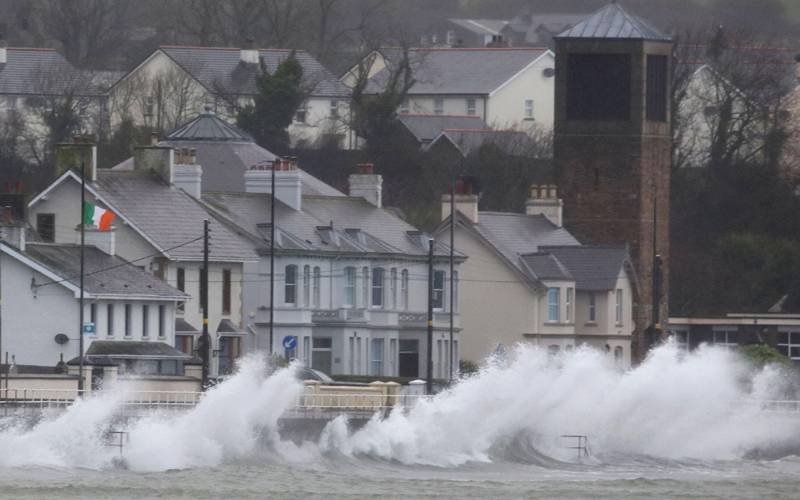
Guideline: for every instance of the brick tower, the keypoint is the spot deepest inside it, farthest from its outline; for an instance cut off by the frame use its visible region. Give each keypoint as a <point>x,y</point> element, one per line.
<point>613,149</point>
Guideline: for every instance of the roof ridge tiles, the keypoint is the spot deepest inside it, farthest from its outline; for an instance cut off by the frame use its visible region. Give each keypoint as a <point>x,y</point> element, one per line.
<point>38,49</point>
<point>267,49</point>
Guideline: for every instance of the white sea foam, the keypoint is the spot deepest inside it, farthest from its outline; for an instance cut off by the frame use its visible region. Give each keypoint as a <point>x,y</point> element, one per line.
<point>673,406</point>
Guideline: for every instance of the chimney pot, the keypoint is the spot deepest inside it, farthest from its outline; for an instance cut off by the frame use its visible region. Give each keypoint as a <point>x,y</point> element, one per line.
<point>544,201</point>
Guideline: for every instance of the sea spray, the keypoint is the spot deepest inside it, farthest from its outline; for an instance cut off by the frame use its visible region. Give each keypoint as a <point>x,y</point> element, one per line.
<point>231,421</point>
<point>675,405</point>
<point>73,439</point>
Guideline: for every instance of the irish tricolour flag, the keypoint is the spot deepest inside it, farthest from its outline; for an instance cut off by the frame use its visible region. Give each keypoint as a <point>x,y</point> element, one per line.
<point>97,217</point>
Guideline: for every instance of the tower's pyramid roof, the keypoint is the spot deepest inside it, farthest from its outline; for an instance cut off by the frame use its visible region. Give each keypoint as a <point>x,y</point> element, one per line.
<point>614,22</point>
<point>207,126</point>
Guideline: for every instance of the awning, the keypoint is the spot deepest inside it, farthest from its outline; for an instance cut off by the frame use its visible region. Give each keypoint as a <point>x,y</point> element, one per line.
<point>106,352</point>
<point>183,327</point>
<point>226,328</point>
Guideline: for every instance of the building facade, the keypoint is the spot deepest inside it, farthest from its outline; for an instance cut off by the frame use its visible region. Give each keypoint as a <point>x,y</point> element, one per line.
<point>545,287</point>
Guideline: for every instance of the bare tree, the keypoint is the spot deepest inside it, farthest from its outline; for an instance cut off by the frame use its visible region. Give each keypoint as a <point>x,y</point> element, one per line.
<point>728,95</point>
<point>90,31</point>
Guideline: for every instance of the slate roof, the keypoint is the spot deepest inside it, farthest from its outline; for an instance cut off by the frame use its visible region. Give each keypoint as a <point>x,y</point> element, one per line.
<point>207,126</point>
<point>357,226</point>
<point>169,216</point>
<point>614,22</point>
<point>425,128</point>
<point>469,71</point>
<point>133,348</point>
<point>221,68</point>
<point>480,26</point>
<point>226,153</point>
<point>547,267</point>
<point>33,71</point>
<point>593,267</point>
<point>183,326</point>
<point>105,275</point>
<point>468,141</point>
<point>514,235</point>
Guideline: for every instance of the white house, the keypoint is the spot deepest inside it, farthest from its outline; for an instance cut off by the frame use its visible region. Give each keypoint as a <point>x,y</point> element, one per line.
<point>39,285</point>
<point>33,81</point>
<point>159,228</point>
<point>544,286</point>
<point>505,87</point>
<point>350,276</point>
<point>173,84</point>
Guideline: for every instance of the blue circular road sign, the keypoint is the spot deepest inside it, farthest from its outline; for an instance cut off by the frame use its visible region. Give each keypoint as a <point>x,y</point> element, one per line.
<point>289,342</point>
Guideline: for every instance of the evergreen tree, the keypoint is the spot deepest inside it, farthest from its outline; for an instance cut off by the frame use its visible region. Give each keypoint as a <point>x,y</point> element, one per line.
<point>279,95</point>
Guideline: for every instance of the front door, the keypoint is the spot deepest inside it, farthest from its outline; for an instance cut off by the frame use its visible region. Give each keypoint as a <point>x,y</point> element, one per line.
<point>409,358</point>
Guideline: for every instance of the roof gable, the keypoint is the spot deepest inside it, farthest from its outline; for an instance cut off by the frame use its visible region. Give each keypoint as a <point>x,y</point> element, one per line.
<point>459,71</point>
<point>220,69</point>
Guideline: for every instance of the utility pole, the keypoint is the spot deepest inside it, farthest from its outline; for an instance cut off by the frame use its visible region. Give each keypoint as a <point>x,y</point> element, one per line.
<point>656,278</point>
<point>429,377</point>
<point>205,340</point>
<point>272,260</point>
<point>452,279</point>
<point>83,261</point>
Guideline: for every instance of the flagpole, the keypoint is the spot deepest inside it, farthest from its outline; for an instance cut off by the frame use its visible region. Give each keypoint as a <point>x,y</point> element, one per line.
<point>81,313</point>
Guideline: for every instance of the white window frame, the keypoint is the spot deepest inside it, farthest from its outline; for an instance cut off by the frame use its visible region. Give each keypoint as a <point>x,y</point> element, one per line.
<point>404,106</point>
<point>592,307</point>
<point>306,285</point>
<point>301,115</point>
<point>366,285</point>
<point>454,284</point>
<point>439,279</point>
<point>404,290</point>
<point>438,105</point>
<point>378,288</point>
<point>723,338</point>
<point>789,343</point>
<point>472,109</point>
<point>290,284</point>
<point>553,305</point>
<point>619,307</point>
<point>393,289</point>
<point>376,357</point>
<point>568,303</point>
<point>316,283</point>
<point>349,299</point>
<point>334,108</point>
<point>528,109</point>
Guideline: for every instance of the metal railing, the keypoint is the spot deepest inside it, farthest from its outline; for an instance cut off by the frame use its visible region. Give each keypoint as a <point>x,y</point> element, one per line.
<point>337,401</point>
<point>363,400</point>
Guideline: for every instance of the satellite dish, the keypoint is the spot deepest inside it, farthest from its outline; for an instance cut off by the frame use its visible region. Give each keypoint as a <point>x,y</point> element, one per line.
<point>548,72</point>
<point>61,339</point>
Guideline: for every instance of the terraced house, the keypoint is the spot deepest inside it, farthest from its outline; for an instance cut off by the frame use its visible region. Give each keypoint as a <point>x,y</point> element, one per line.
<point>528,280</point>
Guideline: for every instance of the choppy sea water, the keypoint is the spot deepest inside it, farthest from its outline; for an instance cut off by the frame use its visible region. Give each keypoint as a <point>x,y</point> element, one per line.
<point>678,426</point>
<point>273,479</point>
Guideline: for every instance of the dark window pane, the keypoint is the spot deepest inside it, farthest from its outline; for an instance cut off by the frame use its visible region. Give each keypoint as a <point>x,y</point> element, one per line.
<point>783,350</point>
<point>657,88</point>
<point>226,291</point>
<point>599,87</point>
<point>783,337</point>
<point>322,342</point>
<point>795,352</point>
<point>46,227</point>
<point>795,336</point>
